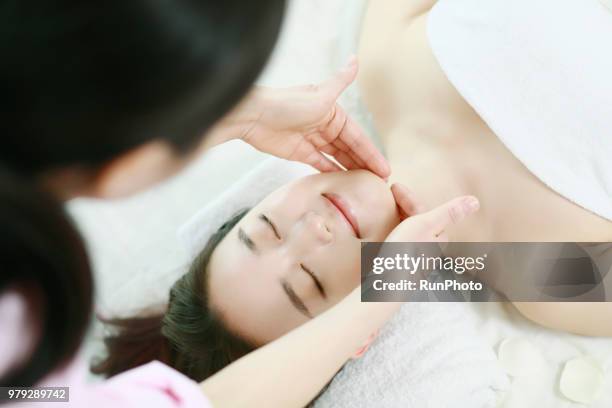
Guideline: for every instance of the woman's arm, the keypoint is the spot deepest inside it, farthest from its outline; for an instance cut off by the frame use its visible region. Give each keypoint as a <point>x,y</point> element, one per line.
<point>291,371</point>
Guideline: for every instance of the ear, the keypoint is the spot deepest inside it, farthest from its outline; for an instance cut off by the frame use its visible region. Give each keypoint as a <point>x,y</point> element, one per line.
<point>136,170</point>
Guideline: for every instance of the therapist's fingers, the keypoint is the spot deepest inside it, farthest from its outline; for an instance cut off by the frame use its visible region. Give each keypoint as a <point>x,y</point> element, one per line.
<point>345,76</point>
<point>361,147</point>
<point>344,158</point>
<point>344,155</point>
<point>330,142</point>
<point>339,144</point>
<point>450,213</point>
<point>308,153</point>
<point>345,135</point>
<point>320,162</point>
<point>407,203</point>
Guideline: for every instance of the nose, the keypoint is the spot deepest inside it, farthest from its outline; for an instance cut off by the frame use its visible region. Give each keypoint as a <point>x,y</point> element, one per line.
<point>311,231</point>
<point>315,223</point>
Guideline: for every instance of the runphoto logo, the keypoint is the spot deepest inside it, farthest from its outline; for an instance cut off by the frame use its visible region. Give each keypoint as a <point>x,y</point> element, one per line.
<point>412,264</point>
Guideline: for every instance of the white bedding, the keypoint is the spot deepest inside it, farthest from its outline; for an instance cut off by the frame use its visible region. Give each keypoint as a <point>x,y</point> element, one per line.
<point>525,75</point>
<point>136,255</point>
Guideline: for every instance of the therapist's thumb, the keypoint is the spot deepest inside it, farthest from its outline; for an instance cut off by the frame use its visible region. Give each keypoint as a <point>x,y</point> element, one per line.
<point>342,79</point>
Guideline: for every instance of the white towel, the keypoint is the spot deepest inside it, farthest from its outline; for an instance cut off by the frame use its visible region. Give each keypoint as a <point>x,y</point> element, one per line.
<point>539,73</point>
<point>428,355</point>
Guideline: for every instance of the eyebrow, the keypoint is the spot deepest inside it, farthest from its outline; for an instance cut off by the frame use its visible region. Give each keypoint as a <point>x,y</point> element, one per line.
<point>268,221</point>
<point>246,240</point>
<point>295,299</point>
<point>320,287</point>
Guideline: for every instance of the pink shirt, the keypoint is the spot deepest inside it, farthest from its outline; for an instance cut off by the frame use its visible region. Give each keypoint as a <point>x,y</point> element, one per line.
<point>152,385</point>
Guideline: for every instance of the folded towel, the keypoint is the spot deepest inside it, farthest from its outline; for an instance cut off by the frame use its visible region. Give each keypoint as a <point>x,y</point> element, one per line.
<point>539,73</point>
<point>428,355</point>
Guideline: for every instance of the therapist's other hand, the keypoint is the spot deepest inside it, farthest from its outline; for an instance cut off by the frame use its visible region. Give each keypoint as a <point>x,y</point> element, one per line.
<point>419,225</point>
<point>301,123</point>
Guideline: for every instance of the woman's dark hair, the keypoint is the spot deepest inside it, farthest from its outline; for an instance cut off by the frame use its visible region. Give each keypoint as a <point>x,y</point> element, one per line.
<point>40,247</point>
<point>83,81</point>
<point>187,336</point>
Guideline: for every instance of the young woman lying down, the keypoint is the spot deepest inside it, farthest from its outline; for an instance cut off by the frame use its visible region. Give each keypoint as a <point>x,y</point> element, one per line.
<point>297,252</point>
<point>265,272</point>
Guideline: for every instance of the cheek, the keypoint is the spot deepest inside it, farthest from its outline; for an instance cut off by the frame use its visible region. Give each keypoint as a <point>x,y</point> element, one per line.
<point>343,270</point>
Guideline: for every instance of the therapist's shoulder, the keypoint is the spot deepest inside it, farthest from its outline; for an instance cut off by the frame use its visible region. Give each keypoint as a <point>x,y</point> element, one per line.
<point>153,384</point>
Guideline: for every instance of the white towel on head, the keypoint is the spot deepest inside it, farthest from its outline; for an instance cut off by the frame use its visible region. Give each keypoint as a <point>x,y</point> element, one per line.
<point>539,73</point>
<point>246,193</point>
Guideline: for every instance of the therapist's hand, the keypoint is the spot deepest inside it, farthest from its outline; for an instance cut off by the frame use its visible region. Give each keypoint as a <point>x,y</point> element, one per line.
<point>301,123</point>
<point>419,225</point>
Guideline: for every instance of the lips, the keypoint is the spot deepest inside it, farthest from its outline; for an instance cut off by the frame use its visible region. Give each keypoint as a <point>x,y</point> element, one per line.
<point>345,210</point>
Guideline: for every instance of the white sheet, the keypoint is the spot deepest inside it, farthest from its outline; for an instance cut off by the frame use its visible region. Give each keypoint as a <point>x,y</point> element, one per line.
<point>539,74</point>
<point>428,356</point>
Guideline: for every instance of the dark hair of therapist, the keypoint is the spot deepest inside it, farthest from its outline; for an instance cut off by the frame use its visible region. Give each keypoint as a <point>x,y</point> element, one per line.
<point>85,87</point>
<point>105,99</point>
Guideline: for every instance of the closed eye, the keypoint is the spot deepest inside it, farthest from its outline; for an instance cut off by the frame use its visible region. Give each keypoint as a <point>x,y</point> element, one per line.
<point>317,283</point>
<point>265,219</point>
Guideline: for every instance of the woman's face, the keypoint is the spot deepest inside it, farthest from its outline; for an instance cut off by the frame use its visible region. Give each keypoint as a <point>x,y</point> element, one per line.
<point>297,253</point>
